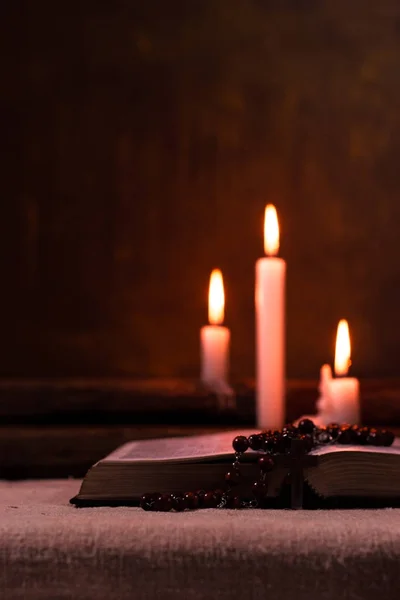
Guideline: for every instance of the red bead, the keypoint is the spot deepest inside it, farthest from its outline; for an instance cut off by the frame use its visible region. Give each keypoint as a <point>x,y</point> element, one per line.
<point>323,436</point>
<point>260,489</point>
<point>387,437</point>
<point>266,463</point>
<point>233,477</point>
<point>200,496</point>
<point>306,426</point>
<point>210,500</point>
<point>192,500</point>
<point>179,503</point>
<point>362,436</point>
<point>271,443</point>
<point>240,443</point>
<point>373,437</point>
<point>333,429</point>
<point>234,502</point>
<point>163,503</point>
<point>147,501</point>
<point>285,442</point>
<point>308,442</point>
<point>256,441</point>
<point>345,436</point>
<point>289,429</point>
<point>218,494</point>
<point>267,432</point>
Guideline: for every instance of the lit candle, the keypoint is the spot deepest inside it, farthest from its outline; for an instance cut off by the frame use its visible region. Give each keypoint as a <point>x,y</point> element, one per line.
<point>270,328</point>
<point>215,338</point>
<point>339,400</point>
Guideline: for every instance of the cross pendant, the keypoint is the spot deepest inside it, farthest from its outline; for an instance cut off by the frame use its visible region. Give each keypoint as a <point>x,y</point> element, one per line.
<point>295,461</point>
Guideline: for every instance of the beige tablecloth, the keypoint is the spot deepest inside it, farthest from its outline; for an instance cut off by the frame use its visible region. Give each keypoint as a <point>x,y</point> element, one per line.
<point>51,550</point>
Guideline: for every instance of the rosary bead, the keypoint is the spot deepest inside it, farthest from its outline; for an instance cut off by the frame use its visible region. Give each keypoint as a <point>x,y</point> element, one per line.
<point>267,433</point>
<point>379,438</point>
<point>306,426</point>
<point>323,437</point>
<point>256,441</point>
<point>333,429</point>
<point>210,500</point>
<point>266,442</point>
<point>266,463</point>
<point>192,500</point>
<point>232,477</point>
<point>362,436</point>
<point>179,503</point>
<point>146,501</point>
<point>350,433</point>
<point>163,503</point>
<point>354,432</point>
<point>234,502</point>
<point>387,437</point>
<point>308,442</point>
<point>284,443</point>
<point>345,436</point>
<point>218,494</point>
<point>290,430</point>
<point>373,438</point>
<point>200,497</point>
<point>240,443</point>
<point>272,444</point>
<point>260,489</point>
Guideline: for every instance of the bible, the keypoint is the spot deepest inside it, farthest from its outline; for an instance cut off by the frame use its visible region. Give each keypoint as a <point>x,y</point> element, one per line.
<point>178,465</point>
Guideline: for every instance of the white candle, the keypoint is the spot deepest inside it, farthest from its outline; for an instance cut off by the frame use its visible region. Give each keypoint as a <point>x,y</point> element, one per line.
<point>340,396</point>
<point>215,338</point>
<point>270,328</point>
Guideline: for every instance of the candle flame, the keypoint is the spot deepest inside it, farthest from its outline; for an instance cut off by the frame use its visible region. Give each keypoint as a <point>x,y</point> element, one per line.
<point>271,231</point>
<point>216,298</point>
<point>343,349</point>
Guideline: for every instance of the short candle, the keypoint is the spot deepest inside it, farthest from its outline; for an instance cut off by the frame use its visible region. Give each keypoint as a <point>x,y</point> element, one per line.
<point>270,328</point>
<point>340,401</point>
<point>215,338</point>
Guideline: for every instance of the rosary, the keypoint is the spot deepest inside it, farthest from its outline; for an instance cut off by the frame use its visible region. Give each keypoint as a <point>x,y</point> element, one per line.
<point>288,448</point>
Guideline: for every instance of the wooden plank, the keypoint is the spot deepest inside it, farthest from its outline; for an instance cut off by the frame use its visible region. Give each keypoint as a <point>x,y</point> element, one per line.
<point>168,400</point>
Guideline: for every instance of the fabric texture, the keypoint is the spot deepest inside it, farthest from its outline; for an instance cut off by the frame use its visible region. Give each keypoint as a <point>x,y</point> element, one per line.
<point>51,550</point>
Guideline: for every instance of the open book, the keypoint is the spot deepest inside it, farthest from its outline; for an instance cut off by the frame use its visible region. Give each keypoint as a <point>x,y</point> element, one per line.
<point>173,465</point>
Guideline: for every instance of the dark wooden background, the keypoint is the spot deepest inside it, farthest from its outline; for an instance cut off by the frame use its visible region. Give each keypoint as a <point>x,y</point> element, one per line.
<point>141,141</point>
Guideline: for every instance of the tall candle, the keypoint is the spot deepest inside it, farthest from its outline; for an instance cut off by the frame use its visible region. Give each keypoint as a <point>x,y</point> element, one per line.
<point>270,328</point>
<point>215,338</point>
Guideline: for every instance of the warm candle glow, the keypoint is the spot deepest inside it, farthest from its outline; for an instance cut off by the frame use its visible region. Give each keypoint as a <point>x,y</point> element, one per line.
<point>271,231</point>
<point>343,349</point>
<point>216,298</point>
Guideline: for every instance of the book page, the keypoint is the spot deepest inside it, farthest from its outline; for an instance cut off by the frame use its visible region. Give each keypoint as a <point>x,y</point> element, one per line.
<point>328,449</point>
<point>213,446</point>
<point>191,448</point>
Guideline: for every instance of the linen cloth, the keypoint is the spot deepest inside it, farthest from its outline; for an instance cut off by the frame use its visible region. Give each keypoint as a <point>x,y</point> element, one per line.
<point>52,550</point>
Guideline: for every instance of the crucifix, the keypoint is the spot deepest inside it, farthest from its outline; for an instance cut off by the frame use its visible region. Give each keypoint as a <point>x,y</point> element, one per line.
<point>295,461</point>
